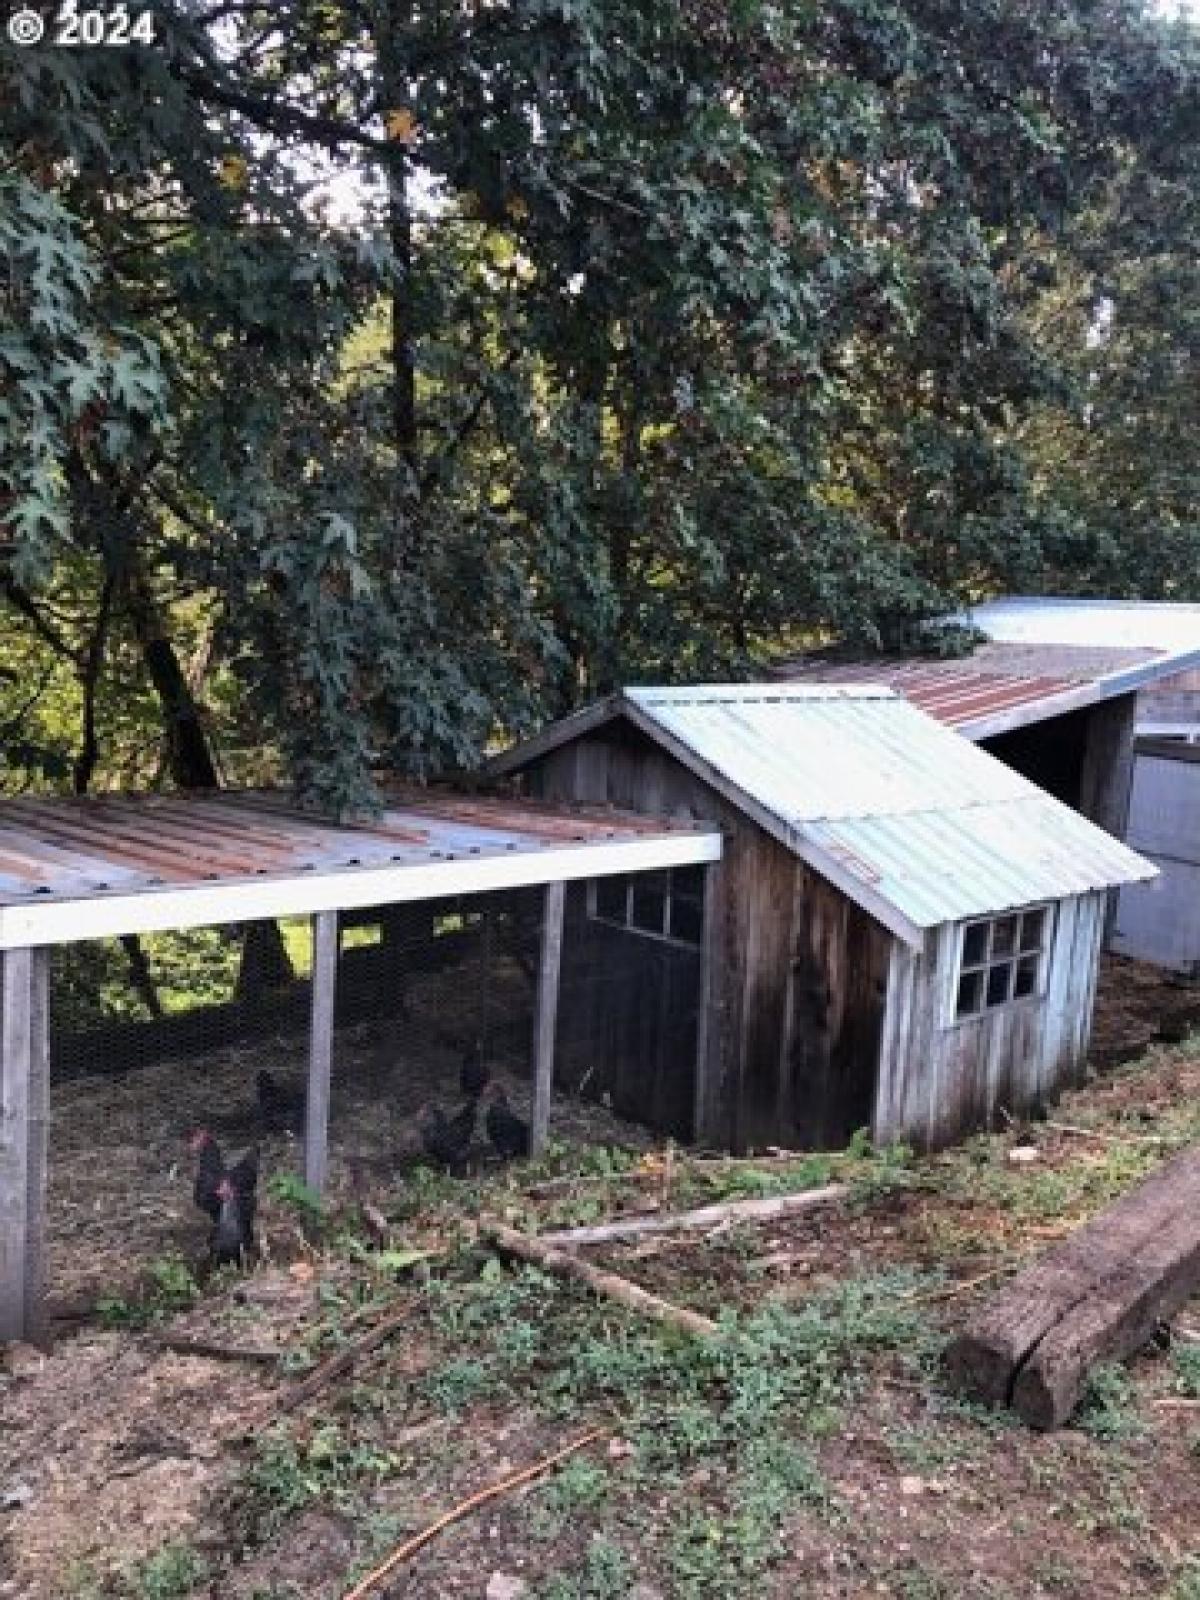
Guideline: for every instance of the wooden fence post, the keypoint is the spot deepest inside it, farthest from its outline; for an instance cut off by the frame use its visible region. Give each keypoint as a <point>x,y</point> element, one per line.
<point>24,1111</point>
<point>320,1050</point>
<point>546,1012</point>
<point>710,1021</point>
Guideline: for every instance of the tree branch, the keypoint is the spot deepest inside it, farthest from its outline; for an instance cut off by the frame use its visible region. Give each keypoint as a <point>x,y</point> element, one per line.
<point>23,602</point>
<point>89,679</point>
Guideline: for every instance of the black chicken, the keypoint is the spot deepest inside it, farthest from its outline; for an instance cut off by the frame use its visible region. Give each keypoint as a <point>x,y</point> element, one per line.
<point>475,1074</point>
<point>232,1236</point>
<point>447,1140</point>
<point>280,1105</point>
<point>210,1169</point>
<point>211,1173</point>
<point>508,1133</point>
<point>243,1175</point>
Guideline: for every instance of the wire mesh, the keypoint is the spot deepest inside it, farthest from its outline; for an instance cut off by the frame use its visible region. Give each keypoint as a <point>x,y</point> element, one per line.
<point>154,1038</point>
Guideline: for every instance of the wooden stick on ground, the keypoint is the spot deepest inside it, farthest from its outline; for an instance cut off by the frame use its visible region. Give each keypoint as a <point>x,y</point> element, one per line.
<point>339,1364</point>
<point>606,1284</point>
<point>183,1344</point>
<point>760,1210</point>
<point>947,1291</point>
<point>464,1508</point>
<point>1102,1133</point>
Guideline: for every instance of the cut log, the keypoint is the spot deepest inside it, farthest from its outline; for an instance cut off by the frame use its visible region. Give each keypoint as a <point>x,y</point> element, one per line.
<point>1095,1297</point>
<point>561,1264</point>
<point>769,1209</point>
<point>1117,1319</point>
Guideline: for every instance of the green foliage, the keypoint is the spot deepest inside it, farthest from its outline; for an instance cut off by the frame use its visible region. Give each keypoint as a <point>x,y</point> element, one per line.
<point>1108,1410</point>
<point>329,1465</point>
<point>1185,1364</point>
<point>663,336</point>
<point>169,1574</point>
<point>169,1286</point>
<point>291,1190</point>
<point>606,1574</point>
<point>92,982</point>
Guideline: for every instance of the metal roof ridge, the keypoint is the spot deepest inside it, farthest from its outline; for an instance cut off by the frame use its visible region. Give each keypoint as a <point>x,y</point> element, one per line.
<point>758,692</point>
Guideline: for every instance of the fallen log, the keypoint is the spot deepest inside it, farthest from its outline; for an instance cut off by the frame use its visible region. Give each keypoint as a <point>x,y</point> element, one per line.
<point>1095,1297</point>
<point>1119,1317</point>
<point>767,1209</point>
<point>561,1264</point>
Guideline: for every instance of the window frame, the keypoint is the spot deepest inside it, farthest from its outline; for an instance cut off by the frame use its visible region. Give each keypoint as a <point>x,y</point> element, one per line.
<point>670,897</point>
<point>1008,961</point>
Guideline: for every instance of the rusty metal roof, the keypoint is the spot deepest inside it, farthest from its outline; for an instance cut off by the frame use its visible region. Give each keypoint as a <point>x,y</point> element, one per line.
<point>999,686</point>
<point>955,692</point>
<point>128,863</point>
<point>1045,656</point>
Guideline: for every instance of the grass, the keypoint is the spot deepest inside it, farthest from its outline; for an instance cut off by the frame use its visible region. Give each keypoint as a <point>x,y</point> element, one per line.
<point>790,1430</point>
<point>168,1287</point>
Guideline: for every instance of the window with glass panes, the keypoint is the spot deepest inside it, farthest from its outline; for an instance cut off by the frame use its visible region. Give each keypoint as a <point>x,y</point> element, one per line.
<point>1001,960</point>
<point>663,905</point>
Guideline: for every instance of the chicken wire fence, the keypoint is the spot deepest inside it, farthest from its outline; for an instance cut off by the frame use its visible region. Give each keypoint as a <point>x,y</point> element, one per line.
<point>153,1038</point>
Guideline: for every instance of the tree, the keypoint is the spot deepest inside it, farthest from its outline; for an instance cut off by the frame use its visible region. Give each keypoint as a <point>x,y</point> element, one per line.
<point>659,335</point>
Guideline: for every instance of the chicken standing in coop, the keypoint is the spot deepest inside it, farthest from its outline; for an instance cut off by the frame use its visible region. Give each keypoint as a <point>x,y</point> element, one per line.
<point>447,1140</point>
<point>280,1105</point>
<point>210,1169</point>
<point>232,1236</point>
<point>509,1133</point>
<point>227,1195</point>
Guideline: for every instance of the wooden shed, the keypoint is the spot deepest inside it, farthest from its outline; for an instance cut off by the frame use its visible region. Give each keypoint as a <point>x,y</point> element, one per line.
<point>903,933</point>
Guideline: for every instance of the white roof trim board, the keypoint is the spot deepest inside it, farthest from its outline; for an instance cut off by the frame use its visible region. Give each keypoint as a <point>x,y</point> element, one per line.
<point>910,820</point>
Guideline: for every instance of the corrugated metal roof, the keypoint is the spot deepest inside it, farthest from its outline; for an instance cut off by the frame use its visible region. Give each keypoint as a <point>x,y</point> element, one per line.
<point>116,852</point>
<point>957,692</point>
<point>1044,657</point>
<point>53,846</point>
<point>897,809</point>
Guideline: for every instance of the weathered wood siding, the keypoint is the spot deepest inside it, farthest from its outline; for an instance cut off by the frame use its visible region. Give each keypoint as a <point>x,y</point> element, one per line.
<point>839,978</point>
<point>939,1078</point>
<point>797,975</point>
<point>819,1021</point>
<point>638,981</point>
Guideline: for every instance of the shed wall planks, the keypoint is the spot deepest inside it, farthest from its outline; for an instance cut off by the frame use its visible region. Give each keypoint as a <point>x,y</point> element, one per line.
<point>819,1019</point>
<point>940,1077</point>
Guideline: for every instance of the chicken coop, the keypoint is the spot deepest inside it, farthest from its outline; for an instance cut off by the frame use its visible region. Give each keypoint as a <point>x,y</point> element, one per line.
<point>903,934</point>
<point>228,962</point>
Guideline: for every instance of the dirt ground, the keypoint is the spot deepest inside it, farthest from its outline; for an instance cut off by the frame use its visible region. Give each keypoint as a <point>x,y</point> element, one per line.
<point>121,1175</point>
<point>833,1464</point>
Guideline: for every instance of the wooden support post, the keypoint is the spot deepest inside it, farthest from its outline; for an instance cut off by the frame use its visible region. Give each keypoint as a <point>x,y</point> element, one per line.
<point>710,1042</point>
<point>546,1012</point>
<point>24,1112</point>
<point>320,1051</point>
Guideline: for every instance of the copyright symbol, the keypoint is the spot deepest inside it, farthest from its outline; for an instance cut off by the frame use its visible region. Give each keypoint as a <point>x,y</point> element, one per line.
<point>25,27</point>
